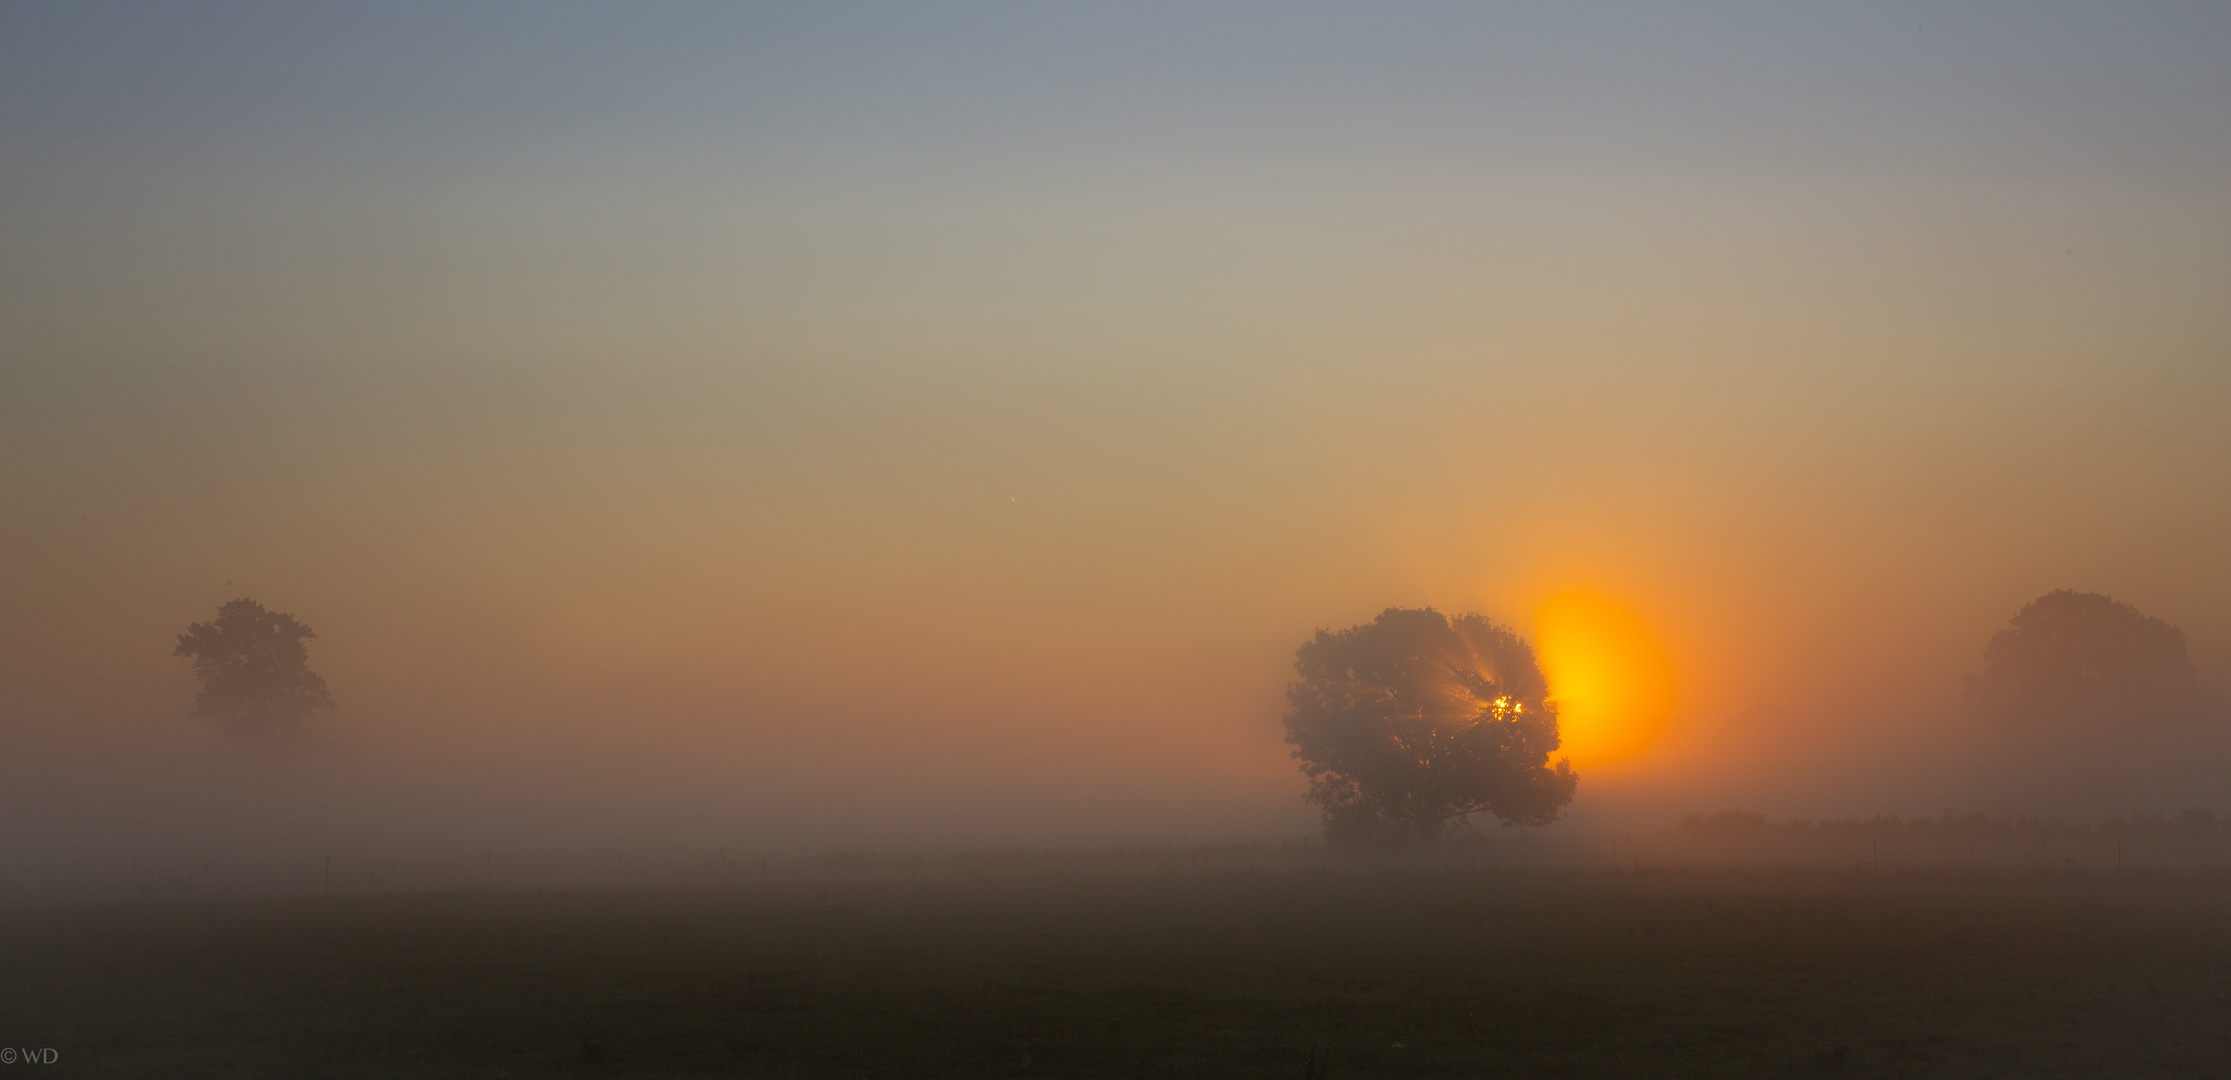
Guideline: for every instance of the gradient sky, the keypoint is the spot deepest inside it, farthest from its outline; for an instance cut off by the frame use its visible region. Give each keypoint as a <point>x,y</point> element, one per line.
<point>835,419</point>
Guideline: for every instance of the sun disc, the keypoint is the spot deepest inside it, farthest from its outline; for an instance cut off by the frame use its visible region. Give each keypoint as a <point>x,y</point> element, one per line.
<point>1612,681</point>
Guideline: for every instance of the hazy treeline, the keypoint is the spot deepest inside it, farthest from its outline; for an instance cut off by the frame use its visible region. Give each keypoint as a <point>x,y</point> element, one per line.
<point>2189,841</point>
<point>2196,823</point>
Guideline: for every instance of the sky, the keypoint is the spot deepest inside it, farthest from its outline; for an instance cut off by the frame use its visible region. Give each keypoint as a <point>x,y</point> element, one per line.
<point>857,424</point>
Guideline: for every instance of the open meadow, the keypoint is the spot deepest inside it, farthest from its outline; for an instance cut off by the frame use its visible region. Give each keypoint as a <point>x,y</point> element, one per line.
<point>1299,967</point>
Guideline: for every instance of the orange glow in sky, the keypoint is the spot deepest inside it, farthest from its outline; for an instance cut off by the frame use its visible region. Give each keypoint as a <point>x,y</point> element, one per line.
<point>1609,676</point>
<point>765,423</point>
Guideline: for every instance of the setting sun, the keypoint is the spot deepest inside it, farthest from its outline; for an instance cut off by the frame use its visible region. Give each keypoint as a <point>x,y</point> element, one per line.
<point>1609,676</point>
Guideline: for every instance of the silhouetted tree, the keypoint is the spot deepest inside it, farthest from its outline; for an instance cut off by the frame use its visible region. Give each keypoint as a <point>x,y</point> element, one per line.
<point>256,681</point>
<point>1411,721</point>
<point>2072,660</point>
<point>2089,705</point>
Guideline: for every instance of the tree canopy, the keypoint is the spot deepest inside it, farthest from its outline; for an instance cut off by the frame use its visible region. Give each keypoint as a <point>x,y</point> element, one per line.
<point>2087,706</point>
<point>256,681</point>
<point>2081,660</point>
<point>1413,721</point>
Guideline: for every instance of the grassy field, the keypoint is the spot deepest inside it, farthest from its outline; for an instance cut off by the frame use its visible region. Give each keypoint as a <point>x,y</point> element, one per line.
<point>1327,970</point>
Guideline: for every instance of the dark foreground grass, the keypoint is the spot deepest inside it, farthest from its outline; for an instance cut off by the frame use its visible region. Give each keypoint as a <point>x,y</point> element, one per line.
<point>1331,973</point>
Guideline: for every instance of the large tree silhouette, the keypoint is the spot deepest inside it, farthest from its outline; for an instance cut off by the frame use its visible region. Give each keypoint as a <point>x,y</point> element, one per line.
<point>256,681</point>
<point>2071,660</point>
<point>2091,705</point>
<point>1413,721</point>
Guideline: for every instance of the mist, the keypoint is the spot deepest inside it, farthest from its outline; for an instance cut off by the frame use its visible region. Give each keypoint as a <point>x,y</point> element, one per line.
<point>797,431</point>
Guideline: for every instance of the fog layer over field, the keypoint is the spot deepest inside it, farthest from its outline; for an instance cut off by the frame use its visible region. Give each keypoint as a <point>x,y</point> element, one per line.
<point>807,429</point>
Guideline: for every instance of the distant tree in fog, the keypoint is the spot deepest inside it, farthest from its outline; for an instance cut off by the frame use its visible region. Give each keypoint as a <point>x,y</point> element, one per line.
<point>1413,721</point>
<point>2092,706</point>
<point>256,681</point>
<point>2072,660</point>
